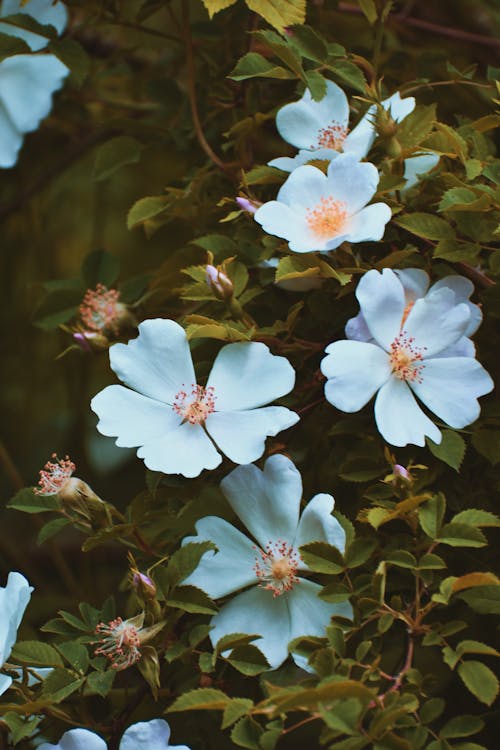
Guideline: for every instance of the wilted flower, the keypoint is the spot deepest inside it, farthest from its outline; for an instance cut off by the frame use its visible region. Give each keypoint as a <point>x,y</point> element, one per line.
<point>14,599</point>
<point>320,130</point>
<point>120,641</point>
<point>281,604</point>
<point>150,735</point>
<point>174,420</point>
<point>411,351</point>
<point>55,475</point>
<point>27,82</point>
<point>101,311</point>
<point>314,211</point>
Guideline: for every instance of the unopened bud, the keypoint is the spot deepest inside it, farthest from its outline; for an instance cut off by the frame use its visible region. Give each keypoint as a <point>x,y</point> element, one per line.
<point>394,149</point>
<point>220,284</point>
<point>143,584</point>
<point>90,341</point>
<point>384,123</point>
<point>401,477</point>
<point>246,205</point>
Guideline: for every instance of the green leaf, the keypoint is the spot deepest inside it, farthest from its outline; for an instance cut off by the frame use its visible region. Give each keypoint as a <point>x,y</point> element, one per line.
<point>72,54</point>
<point>56,308</point>
<point>219,245</point>
<point>369,10</point>
<point>280,13</point>
<point>429,561</point>
<point>100,683</point>
<point>344,716</point>
<point>359,551</point>
<point>146,208</point>
<point>51,528</point>
<point>254,65</point>
<point>192,599</point>
<point>100,267</point>
<point>75,654</point>
<point>461,535</point>
<point>214,6</point>
<point>475,647</point>
<point>316,83</point>
<point>29,502</point>
<point>248,660</point>
<point>235,709</point>
<point>483,599</point>
<point>402,559</point>
<point>246,733</point>
<point>458,252</point>
<point>432,709</point>
<point>463,199</point>
<point>60,684</point>
<point>114,154</point>
<point>232,640</point>
<point>416,126</point>
<point>35,653</point>
<point>428,226</point>
<point>10,45</point>
<point>477,517</point>
<point>487,442</point>
<point>322,557</point>
<point>308,43</point>
<point>185,560</point>
<point>451,449</point>
<point>480,680</point>
<point>202,699</point>
<point>431,515</point>
<point>349,73</point>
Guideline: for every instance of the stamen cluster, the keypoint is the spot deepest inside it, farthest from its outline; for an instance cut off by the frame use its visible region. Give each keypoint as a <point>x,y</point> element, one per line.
<point>327,218</point>
<point>100,309</point>
<point>276,567</point>
<point>120,643</point>
<point>194,407</point>
<point>54,475</point>
<point>332,136</point>
<point>404,358</point>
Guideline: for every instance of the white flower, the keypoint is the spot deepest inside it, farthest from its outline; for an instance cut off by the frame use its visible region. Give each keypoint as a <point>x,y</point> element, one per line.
<point>415,283</point>
<point>408,356</point>
<point>27,82</point>
<point>280,605</point>
<point>314,211</point>
<point>145,735</point>
<point>319,129</point>
<point>174,420</point>
<point>14,599</point>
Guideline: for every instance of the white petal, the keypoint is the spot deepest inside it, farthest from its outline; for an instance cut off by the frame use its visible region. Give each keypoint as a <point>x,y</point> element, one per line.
<point>463,288</point>
<point>304,156</point>
<point>399,418</point>
<point>450,388</point>
<point>357,330</point>
<point>256,611</point>
<point>299,123</point>
<point>14,599</point>
<point>76,739</point>
<point>415,283</point>
<point>157,363</point>
<point>361,138</point>
<point>186,450</point>
<point>415,166</point>
<point>5,683</point>
<point>280,220</point>
<point>399,108</point>
<point>266,501</point>
<point>382,302</point>
<point>310,615</point>
<point>464,347</point>
<point>368,225</point>
<point>42,11</point>
<point>351,181</point>
<point>304,188</point>
<point>231,568</point>
<point>355,371</point>
<point>10,138</point>
<point>132,418</point>
<point>150,735</point>
<point>27,83</point>
<point>248,375</point>
<point>318,525</point>
<point>241,435</point>
<point>436,322</point>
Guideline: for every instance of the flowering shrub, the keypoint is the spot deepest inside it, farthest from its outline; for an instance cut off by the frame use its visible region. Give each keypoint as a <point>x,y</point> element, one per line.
<point>231,226</point>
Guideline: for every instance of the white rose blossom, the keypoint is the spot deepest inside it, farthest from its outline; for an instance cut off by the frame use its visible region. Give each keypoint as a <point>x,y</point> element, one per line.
<point>412,352</point>
<point>320,130</point>
<point>145,735</point>
<point>177,423</point>
<point>278,604</point>
<point>28,81</point>
<point>314,211</point>
<point>14,598</point>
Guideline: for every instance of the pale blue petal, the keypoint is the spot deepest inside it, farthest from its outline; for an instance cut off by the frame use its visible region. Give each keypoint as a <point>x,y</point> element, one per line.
<point>280,220</point>
<point>436,321</point>
<point>186,450</point>
<point>14,599</point>
<point>268,501</point>
<point>463,288</point>
<point>450,388</point>
<point>5,683</point>
<point>399,108</point>
<point>318,525</point>
<point>464,347</point>
<point>157,363</point>
<point>10,138</point>
<point>399,418</point>
<point>248,375</point>
<point>43,11</point>
<point>357,330</point>
<point>304,188</point>
<point>304,156</point>
<point>415,283</point>
<point>148,735</point>
<point>27,83</point>
<point>241,435</point>
<point>361,138</point>
<point>415,166</point>
<point>228,570</point>
<point>76,739</point>
<point>351,181</point>
<point>382,301</point>
<point>355,371</point>
<point>368,225</point>
<point>299,123</point>
<point>310,615</point>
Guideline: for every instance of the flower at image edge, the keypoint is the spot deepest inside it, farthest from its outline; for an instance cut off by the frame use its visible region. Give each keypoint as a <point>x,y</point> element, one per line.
<point>174,421</point>
<point>279,603</point>
<point>14,598</point>
<point>150,735</point>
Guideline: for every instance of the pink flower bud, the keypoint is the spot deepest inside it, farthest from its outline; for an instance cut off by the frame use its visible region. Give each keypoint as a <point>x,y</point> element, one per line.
<point>246,205</point>
<point>219,283</point>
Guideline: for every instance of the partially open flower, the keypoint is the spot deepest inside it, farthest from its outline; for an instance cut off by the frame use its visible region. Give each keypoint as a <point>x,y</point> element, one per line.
<point>219,282</point>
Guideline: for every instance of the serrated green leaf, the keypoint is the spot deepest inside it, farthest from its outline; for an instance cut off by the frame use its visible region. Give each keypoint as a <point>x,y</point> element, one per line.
<point>359,551</point>
<point>477,517</point>
<point>185,560</point>
<point>51,528</point>
<point>214,6</point>
<point>461,535</point>
<point>100,683</point>
<point>402,558</point>
<point>60,684</point>
<point>255,65</point>
<point>316,83</point>
<point>487,442</point>
<point>75,654</point>
<point>480,680</point>
<point>202,699</point>
<point>248,660</point>
<point>431,515</point>
<point>322,558</point>
<point>29,502</point>
<point>280,13</point>
<point>349,73</point>
<point>416,126</point>
<point>35,653</point>
<point>192,599</point>
<point>483,599</point>
<point>308,42</point>
<point>475,647</point>
<point>424,225</point>
<point>73,55</point>
<point>451,449</point>
<point>146,208</point>
<point>235,709</point>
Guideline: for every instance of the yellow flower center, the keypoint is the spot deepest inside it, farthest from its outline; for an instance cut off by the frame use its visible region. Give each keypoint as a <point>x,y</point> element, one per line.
<point>194,407</point>
<point>406,358</point>
<point>327,218</point>
<point>276,567</point>
<point>333,136</point>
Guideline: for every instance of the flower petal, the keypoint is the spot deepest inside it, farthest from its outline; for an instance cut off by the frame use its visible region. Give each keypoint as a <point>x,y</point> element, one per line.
<point>415,283</point>
<point>436,321</point>
<point>280,220</point>
<point>268,501</point>
<point>318,525</point>
<point>450,388</point>
<point>27,85</point>
<point>355,371</point>
<point>299,123</point>
<point>5,683</point>
<point>151,735</point>
<point>304,156</point>
<point>463,289</point>
<point>185,450</point>
<point>231,568</point>
<point>351,181</point>
<point>357,330</point>
<point>10,138</point>
<point>256,611</point>
<point>303,189</point>
<point>310,615</point>
<point>157,363</point>
<point>241,435</point>
<point>464,347</point>
<point>76,739</point>
<point>42,11</point>
<point>382,301</point>
<point>248,375</point>
<point>415,166</point>
<point>14,599</point>
<point>132,418</point>
<point>399,108</point>
<point>361,138</point>
<point>399,418</point>
<point>368,225</point>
